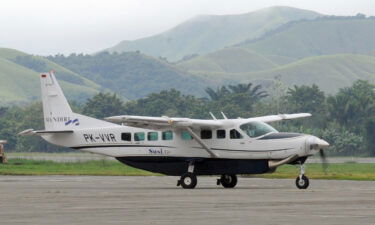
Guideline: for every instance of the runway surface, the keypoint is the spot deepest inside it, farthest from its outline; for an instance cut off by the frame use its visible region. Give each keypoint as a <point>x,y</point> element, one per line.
<point>156,200</point>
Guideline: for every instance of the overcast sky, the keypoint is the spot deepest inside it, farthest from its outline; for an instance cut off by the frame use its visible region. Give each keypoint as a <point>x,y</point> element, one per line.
<point>64,26</point>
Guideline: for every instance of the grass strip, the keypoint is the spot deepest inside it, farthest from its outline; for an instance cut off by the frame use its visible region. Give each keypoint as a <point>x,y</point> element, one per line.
<point>339,171</point>
<point>45,167</point>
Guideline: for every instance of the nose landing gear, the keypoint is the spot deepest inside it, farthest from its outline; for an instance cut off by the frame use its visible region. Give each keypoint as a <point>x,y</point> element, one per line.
<point>302,182</point>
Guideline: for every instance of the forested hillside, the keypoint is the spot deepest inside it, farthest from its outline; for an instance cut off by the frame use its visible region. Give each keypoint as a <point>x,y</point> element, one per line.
<point>322,36</point>
<point>329,51</point>
<point>229,60</point>
<point>330,72</point>
<point>19,75</point>
<point>132,74</point>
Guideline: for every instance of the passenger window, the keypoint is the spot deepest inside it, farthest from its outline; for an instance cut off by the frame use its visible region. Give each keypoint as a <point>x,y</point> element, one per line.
<point>220,134</point>
<point>167,135</point>
<point>139,136</point>
<point>152,136</point>
<point>206,134</point>
<point>186,136</point>
<point>234,134</point>
<point>126,136</point>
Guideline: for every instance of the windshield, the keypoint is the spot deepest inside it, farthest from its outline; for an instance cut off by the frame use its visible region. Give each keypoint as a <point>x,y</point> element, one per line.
<point>256,129</point>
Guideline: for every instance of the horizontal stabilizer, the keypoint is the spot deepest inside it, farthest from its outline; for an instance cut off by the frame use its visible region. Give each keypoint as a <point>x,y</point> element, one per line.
<point>32,132</point>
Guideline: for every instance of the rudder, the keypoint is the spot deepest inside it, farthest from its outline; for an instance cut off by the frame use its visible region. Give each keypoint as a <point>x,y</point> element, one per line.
<point>56,109</point>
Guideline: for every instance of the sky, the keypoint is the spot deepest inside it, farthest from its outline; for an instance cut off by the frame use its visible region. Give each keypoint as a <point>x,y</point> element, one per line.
<point>49,27</point>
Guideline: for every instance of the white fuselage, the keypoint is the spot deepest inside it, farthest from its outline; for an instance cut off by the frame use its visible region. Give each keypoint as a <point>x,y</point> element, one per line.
<point>108,141</point>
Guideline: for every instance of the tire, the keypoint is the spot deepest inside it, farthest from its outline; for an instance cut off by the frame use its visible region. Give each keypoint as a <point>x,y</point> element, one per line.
<point>302,183</point>
<point>188,181</point>
<point>228,181</point>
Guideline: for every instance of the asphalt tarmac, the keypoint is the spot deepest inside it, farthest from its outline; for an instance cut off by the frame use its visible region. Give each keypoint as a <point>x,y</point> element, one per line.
<point>89,200</point>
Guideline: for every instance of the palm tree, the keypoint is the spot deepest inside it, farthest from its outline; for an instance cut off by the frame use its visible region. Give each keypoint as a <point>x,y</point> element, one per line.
<point>240,88</point>
<point>254,93</point>
<point>218,94</point>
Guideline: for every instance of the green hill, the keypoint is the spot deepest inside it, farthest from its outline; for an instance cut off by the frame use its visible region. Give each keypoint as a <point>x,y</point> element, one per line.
<point>230,60</point>
<point>323,36</point>
<point>20,81</point>
<point>329,72</point>
<point>132,74</point>
<point>208,33</point>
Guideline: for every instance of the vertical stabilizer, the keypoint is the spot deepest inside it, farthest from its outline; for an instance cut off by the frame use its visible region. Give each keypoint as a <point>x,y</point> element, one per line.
<point>56,109</point>
<point>58,115</point>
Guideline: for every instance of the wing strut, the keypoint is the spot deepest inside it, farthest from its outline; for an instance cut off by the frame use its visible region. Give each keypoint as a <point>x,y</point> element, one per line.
<point>275,163</point>
<point>197,138</point>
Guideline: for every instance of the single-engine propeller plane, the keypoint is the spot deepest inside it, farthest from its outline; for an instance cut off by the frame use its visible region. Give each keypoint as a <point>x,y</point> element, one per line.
<point>179,146</point>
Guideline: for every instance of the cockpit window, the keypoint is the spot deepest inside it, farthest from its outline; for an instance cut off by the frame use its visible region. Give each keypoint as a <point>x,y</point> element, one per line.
<point>234,134</point>
<point>256,129</point>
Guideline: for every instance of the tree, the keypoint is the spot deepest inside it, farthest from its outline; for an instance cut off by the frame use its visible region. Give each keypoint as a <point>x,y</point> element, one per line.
<point>342,141</point>
<point>240,88</point>
<point>370,135</point>
<point>103,105</point>
<point>168,103</point>
<point>218,94</point>
<point>305,98</point>
<point>354,105</point>
<point>235,100</point>
<point>254,93</point>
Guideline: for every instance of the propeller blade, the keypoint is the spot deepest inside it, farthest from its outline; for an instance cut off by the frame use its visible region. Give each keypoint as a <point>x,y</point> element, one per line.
<point>324,160</point>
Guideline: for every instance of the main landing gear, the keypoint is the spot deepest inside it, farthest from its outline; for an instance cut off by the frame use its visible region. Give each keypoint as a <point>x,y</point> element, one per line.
<point>302,182</point>
<point>228,181</point>
<point>189,180</point>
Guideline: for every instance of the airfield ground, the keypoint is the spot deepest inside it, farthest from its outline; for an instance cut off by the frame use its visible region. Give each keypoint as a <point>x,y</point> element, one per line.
<point>156,200</point>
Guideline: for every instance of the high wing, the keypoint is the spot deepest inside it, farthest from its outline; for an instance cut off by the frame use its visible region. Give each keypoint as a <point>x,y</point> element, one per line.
<point>273,118</point>
<point>159,123</point>
<point>164,122</point>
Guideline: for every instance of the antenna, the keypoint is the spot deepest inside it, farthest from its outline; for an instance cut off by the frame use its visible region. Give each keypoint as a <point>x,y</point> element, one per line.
<point>225,117</point>
<point>212,115</point>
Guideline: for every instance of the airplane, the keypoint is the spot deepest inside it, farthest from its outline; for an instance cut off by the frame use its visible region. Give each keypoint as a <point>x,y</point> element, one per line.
<point>181,147</point>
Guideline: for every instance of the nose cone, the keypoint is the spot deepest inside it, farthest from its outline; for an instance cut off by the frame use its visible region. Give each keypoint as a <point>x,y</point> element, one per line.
<point>317,143</point>
<point>322,143</point>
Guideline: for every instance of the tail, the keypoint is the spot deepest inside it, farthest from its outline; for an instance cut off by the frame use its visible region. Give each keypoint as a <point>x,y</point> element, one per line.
<point>57,112</point>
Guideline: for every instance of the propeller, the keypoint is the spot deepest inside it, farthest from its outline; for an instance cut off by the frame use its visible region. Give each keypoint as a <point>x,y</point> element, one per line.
<point>323,157</point>
<point>318,143</point>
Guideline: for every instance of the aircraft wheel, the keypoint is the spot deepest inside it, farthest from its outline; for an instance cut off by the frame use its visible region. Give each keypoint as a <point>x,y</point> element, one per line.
<point>303,182</point>
<point>228,181</point>
<point>188,180</point>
